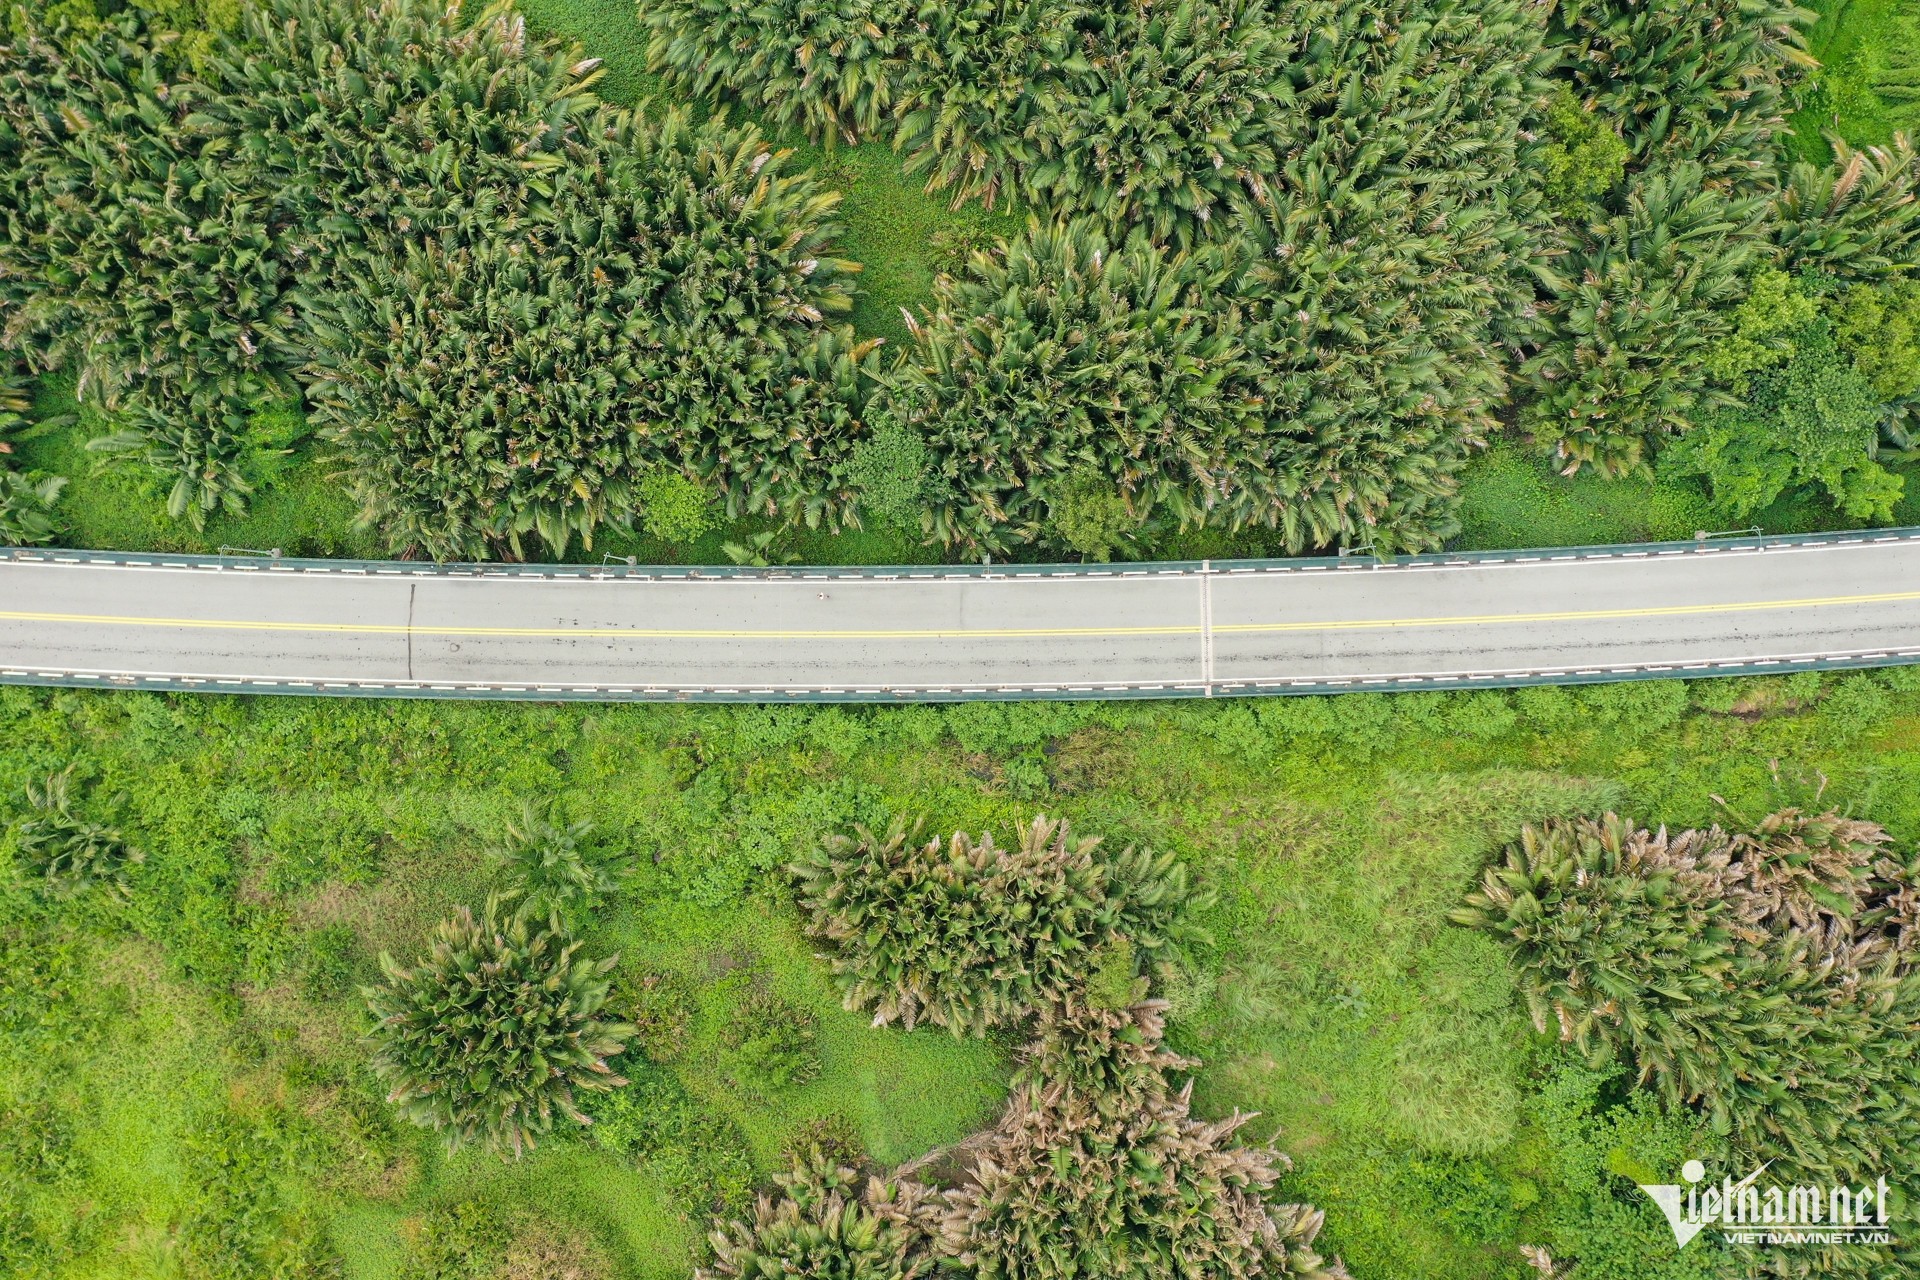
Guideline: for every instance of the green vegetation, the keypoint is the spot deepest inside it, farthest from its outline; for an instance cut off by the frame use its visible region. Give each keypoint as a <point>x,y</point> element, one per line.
<point>186,1059</point>
<point>1124,1181</point>
<point>1584,158</point>
<point>106,271</point>
<point>1069,359</point>
<point>1865,90</point>
<point>1160,118</point>
<point>825,1224</point>
<point>494,1031</point>
<point>871,282</point>
<point>67,852</point>
<point>26,507</point>
<point>545,871</point>
<point>969,936</point>
<point>1855,220</point>
<point>1377,320</point>
<point>690,230</point>
<point>673,507</point>
<point>1595,196</point>
<point>469,342</point>
<point>1765,976</point>
<point>1815,384</point>
<point>828,71</point>
<point>1698,90</point>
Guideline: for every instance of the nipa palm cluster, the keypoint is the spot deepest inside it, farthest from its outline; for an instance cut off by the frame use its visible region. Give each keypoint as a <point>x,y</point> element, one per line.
<point>1767,977</point>
<point>967,935</point>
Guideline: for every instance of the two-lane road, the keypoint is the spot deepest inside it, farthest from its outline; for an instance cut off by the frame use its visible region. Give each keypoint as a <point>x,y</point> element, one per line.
<point>1197,630</point>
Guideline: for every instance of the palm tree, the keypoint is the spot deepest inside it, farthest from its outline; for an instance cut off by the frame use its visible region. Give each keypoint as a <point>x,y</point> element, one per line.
<point>495,1031</point>
<point>549,870</point>
<point>69,852</point>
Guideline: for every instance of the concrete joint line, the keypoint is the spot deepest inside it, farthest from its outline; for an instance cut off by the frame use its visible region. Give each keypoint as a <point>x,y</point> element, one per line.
<point>1206,626</point>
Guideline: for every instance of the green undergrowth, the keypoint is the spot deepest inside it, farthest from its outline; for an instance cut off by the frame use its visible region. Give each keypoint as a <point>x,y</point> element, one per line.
<point>304,512</point>
<point>185,1088</point>
<point>1514,498</point>
<point>1868,86</point>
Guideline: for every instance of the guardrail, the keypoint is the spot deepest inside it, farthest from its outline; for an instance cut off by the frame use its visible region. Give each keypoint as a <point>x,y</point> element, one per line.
<point>617,569</point>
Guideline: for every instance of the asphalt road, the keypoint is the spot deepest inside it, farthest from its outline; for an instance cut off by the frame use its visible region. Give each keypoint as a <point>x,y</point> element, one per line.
<point>1226,628</point>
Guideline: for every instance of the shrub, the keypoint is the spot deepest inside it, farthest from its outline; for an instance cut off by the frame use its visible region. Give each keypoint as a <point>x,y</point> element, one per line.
<point>494,1031</point>
<point>1704,81</point>
<point>1856,220</point>
<point>889,471</point>
<point>822,1223</point>
<point>1090,517</point>
<point>1583,158</point>
<point>653,319</point>
<point>1638,317</point>
<point>1698,89</point>
<point>660,1008</point>
<point>193,25</point>
<point>831,1138</point>
<point>16,398</point>
<point>979,93</point>
<point>771,1042</point>
<point>332,959</point>
<point>1602,1139</point>
<point>674,507</point>
<point>969,936</point>
<point>828,70</point>
<point>1878,329</point>
<point>1762,329</point>
<point>701,1158</point>
<point>137,249</point>
<point>1808,412</point>
<point>68,852</point>
<point>466,1240</point>
<point>1394,273</point>
<point>549,870</point>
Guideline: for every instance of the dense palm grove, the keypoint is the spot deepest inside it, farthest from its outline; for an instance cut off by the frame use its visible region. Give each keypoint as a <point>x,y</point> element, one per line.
<point>504,305</point>
<point>1287,263</point>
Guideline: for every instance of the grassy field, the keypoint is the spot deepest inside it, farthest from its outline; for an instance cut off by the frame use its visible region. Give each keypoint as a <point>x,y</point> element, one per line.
<point>185,1093</point>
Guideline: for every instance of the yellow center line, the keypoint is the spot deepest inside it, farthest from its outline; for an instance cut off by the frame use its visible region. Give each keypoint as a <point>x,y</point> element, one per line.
<point>1575,615</point>
<point>632,633</point>
<point>990,633</point>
